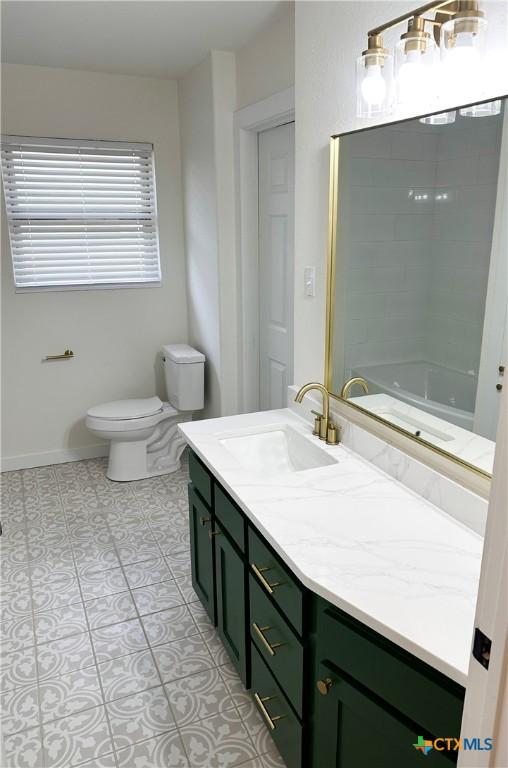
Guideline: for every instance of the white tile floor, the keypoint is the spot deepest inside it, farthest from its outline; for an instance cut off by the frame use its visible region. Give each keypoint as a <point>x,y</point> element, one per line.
<point>107,658</point>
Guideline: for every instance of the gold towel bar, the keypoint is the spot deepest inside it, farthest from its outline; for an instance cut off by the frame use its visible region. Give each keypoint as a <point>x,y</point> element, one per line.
<point>67,355</point>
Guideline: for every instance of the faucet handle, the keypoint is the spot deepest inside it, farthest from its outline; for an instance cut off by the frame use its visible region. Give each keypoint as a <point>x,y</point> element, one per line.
<point>317,423</point>
<point>333,434</point>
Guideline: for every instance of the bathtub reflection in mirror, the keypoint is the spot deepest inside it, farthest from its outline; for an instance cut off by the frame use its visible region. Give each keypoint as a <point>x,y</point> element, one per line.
<point>420,284</point>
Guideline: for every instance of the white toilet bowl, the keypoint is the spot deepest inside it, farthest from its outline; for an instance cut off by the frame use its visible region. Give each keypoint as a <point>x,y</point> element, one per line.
<point>144,435</point>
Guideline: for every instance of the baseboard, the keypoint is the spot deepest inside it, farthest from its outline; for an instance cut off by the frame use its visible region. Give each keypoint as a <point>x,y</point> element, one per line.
<point>29,460</point>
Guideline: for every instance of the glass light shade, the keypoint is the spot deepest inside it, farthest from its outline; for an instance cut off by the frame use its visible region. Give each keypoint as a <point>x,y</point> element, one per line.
<point>374,75</point>
<point>443,118</point>
<point>462,54</point>
<point>415,71</point>
<point>487,109</point>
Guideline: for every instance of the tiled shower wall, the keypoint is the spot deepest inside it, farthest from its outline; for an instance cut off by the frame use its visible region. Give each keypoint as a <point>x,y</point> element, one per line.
<point>466,172</point>
<point>414,237</point>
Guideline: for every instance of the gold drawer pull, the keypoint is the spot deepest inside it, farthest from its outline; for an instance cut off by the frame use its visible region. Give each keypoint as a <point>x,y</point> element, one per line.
<point>67,355</point>
<point>270,647</point>
<point>270,721</point>
<point>204,520</point>
<point>324,686</point>
<point>264,583</point>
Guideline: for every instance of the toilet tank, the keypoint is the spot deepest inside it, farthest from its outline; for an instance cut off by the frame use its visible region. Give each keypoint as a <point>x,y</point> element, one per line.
<point>184,369</point>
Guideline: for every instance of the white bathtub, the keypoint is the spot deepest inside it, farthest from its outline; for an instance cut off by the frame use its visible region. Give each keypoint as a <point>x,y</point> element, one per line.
<point>443,392</point>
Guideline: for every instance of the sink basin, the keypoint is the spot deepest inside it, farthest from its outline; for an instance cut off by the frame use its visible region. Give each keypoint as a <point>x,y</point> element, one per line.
<point>275,450</point>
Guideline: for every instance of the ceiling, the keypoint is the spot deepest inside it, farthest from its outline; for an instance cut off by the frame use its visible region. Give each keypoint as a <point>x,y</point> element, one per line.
<point>157,39</point>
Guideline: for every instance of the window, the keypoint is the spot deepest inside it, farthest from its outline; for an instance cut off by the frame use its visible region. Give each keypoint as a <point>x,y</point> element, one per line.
<point>81,213</point>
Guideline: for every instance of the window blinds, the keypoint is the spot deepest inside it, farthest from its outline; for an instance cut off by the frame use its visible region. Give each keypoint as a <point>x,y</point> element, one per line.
<point>80,212</point>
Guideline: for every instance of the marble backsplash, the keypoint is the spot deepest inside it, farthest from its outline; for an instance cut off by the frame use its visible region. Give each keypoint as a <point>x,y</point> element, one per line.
<point>460,503</point>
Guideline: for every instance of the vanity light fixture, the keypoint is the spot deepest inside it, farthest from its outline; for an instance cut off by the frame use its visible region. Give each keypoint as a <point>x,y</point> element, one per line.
<point>415,64</point>
<point>374,78</point>
<point>459,32</point>
<point>462,44</point>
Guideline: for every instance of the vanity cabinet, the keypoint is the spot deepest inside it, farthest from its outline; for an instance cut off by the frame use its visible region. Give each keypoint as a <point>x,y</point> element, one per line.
<point>372,699</point>
<point>219,572</point>
<point>332,692</point>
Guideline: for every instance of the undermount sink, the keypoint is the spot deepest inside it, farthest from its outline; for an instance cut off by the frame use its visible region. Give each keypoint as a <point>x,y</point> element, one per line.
<point>275,450</point>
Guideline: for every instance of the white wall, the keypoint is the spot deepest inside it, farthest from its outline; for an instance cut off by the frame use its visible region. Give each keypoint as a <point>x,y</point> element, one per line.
<point>266,65</point>
<point>328,38</point>
<point>195,96</point>
<point>207,97</point>
<point>115,334</point>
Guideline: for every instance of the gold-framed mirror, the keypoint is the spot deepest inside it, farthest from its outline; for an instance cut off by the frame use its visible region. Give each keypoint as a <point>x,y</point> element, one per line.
<point>417,288</point>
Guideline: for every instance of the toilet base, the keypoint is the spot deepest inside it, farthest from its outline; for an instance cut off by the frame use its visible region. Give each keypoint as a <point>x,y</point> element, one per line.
<point>140,459</point>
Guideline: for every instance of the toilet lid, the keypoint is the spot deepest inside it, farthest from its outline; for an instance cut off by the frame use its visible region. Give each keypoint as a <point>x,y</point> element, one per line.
<point>134,408</point>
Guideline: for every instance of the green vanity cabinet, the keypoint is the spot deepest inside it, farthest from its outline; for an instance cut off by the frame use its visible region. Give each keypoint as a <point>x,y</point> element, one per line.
<point>231,589</point>
<point>354,729</point>
<point>332,692</point>
<point>202,552</point>
<point>372,699</point>
<point>219,570</point>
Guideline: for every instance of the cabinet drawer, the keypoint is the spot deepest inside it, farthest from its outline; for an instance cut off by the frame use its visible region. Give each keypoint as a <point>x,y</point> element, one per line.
<point>284,726</point>
<point>277,644</point>
<point>276,580</point>
<point>422,694</point>
<point>200,477</point>
<point>230,517</point>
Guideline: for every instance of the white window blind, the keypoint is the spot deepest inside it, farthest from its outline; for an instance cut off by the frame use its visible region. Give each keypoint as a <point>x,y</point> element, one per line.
<point>80,212</point>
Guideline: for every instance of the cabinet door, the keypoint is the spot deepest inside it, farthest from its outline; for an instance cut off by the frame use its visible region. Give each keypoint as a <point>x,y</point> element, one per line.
<point>200,521</point>
<point>230,578</point>
<point>353,730</point>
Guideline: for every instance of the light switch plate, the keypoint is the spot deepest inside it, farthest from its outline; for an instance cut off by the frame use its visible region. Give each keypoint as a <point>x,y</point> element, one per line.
<point>309,281</point>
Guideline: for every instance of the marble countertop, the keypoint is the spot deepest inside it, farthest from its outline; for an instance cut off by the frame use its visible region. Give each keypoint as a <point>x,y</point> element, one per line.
<point>360,539</point>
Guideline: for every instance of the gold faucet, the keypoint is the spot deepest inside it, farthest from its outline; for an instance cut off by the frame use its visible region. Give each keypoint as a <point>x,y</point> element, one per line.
<point>324,428</point>
<point>344,392</point>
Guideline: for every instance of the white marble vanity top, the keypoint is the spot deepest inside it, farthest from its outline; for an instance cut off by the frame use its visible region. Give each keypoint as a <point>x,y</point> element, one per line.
<point>361,540</point>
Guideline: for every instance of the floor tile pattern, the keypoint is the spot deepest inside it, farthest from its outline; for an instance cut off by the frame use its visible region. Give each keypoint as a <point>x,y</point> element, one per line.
<point>107,659</point>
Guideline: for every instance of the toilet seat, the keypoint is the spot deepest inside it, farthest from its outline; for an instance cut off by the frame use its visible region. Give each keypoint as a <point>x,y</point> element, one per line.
<point>96,418</point>
<point>134,408</point>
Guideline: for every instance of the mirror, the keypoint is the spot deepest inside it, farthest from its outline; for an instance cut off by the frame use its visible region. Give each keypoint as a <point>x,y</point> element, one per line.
<point>418,280</point>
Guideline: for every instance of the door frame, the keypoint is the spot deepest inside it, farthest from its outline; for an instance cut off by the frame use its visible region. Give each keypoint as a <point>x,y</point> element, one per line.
<point>486,703</point>
<point>248,123</point>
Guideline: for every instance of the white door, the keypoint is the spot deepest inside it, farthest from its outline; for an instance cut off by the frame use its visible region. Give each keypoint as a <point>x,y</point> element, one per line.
<point>276,267</point>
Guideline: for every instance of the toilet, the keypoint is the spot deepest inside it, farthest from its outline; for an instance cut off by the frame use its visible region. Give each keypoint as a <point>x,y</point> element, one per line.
<point>144,435</point>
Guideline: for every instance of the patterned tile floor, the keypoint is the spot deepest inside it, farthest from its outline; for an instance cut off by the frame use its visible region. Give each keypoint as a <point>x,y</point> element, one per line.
<point>107,658</point>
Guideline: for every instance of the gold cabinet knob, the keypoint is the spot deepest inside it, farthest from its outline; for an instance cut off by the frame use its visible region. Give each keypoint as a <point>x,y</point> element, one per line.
<point>204,520</point>
<point>324,686</point>
<point>211,534</point>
